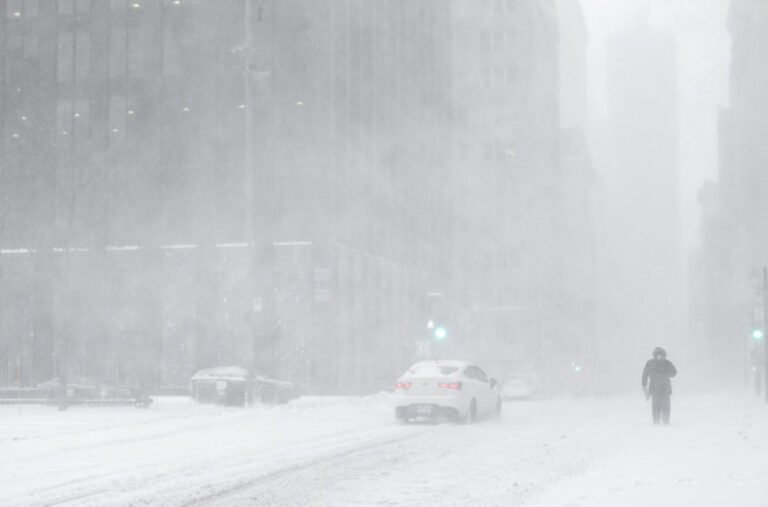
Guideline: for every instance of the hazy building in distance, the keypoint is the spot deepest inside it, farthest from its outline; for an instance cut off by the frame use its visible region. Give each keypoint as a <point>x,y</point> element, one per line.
<point>573,40</point>
<point>148,227</point>
<point>638,153</point>
<point>507,179</point>
<point>578,186</point>
<point>733,248</point>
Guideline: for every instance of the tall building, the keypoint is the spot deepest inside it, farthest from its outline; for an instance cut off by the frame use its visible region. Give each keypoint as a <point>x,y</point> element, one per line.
<point>573,40</point>
<point>507,177</point>
<point>727,297</point>
<point>188,183</point>
<point>298,186</point>
<point>578,186</point>
<point>643,279</point>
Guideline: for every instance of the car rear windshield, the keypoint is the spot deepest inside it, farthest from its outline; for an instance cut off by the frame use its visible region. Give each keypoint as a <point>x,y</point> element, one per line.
<point>431,370</point>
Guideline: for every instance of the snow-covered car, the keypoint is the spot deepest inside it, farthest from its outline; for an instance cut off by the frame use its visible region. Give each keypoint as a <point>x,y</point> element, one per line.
<point>234,385</point>
<point>456,390</point>
<point>519,386</point>
<point>95,391</point>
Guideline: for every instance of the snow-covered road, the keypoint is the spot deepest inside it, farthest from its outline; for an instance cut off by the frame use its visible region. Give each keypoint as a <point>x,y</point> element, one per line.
<point>349,451</point>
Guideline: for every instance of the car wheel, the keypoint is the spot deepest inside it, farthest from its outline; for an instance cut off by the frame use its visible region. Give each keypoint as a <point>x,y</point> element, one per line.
<point>268,396</point>
<point>471,415</point>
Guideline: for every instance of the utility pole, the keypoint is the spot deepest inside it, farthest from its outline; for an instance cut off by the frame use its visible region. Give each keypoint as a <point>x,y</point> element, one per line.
<point>248,50</point>
<point>765,339</point>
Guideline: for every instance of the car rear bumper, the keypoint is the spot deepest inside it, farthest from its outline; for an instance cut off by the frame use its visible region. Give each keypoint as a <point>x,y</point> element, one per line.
<point>427,411</point>
<point>408,407</point>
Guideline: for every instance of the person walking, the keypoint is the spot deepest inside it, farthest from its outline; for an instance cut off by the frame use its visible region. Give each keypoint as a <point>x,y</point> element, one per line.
<point>657,386</point>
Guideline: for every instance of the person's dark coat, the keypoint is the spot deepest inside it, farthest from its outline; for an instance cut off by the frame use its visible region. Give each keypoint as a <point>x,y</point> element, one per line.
<point>656,375</point>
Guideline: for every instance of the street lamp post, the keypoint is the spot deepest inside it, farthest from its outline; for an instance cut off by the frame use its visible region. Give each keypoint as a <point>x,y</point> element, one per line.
<point>249,233</point>
<point>765,340</point>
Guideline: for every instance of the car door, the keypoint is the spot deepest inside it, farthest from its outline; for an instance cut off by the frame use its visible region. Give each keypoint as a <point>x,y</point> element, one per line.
<point>472,385</point>
<point>484,391</point>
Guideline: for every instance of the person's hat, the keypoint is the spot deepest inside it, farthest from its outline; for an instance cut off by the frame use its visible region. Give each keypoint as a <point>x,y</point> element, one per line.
<point>658,351</point>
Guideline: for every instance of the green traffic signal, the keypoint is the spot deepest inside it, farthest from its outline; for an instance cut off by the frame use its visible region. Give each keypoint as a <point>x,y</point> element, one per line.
<point>757,334</point>
<point>440,333</point>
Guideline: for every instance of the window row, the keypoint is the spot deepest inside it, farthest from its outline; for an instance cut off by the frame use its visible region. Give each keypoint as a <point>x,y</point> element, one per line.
<point>499,7</point>
<point>502,259</point>
<point>499,77</point>
<point>495,150</point>
<point>21,9</point>
<point>485,41</point>
<point>31,8</point>
<point>499,149</point>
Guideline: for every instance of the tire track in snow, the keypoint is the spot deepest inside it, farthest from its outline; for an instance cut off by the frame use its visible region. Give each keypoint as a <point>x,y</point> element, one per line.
<point>186,472</point>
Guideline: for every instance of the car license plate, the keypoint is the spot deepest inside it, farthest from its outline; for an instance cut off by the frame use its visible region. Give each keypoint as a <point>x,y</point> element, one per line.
<point>424,409</point>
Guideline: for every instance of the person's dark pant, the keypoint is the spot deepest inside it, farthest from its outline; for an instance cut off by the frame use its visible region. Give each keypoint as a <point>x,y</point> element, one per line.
<point>660,408</point>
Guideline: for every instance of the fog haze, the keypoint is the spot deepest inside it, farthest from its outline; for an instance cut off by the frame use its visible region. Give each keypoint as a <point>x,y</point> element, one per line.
<point>383,252</point>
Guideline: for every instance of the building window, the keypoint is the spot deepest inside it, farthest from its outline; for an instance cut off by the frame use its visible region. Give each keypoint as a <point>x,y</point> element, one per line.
<point>17,9</point>
<point>500,149</point>
<point>118,5</point>
<point>171,53</point>
<point>31,8</point>
<point>486,79</point>
<point>66,7</point>
<point>499,77</point>
<point>83,6</point>
<point>135,48</point>
<point>502,7</point>
<point>14,41</point>
<point>64,124</point>
<point>14,9</point>
<point>117,113</point>
<point>510,77</point>
<point>81,119</point>
<point>507,260</point>
<point>499,41</point>
<point>117,53</point>
<point>31,44</point>
<point>83,54</point>
<point>485,42</point>
<point>496,41</point>
<point>462,41</point>
<point>64,60</point>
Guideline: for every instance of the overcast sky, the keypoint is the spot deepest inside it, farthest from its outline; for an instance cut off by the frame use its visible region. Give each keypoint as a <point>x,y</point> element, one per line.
<point>704,53</point>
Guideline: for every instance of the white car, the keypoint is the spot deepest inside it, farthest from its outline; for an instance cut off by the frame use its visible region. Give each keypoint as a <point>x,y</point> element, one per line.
<point>456,390</point>
<point>519,386</point>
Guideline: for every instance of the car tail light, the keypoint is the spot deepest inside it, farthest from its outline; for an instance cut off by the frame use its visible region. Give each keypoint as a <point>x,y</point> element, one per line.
<point>450,385</point>
<point>403,385</point>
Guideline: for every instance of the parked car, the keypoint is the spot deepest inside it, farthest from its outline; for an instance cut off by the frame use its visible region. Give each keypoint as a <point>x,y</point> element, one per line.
<point>234,385</point>
<point>456,390</point>
<point>95,391</point>
<point>520,386</point>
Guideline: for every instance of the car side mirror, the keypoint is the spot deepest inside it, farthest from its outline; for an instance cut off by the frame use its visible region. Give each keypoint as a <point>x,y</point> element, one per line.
<point>493,383</point>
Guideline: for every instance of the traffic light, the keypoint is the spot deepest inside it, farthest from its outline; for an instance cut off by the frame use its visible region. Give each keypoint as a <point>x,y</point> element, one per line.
<point>440,333</point>
<point>757,334</point>
<point>576,367</point>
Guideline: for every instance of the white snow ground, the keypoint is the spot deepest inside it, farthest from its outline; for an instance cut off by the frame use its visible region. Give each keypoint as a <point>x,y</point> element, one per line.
<point>349,451</point>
